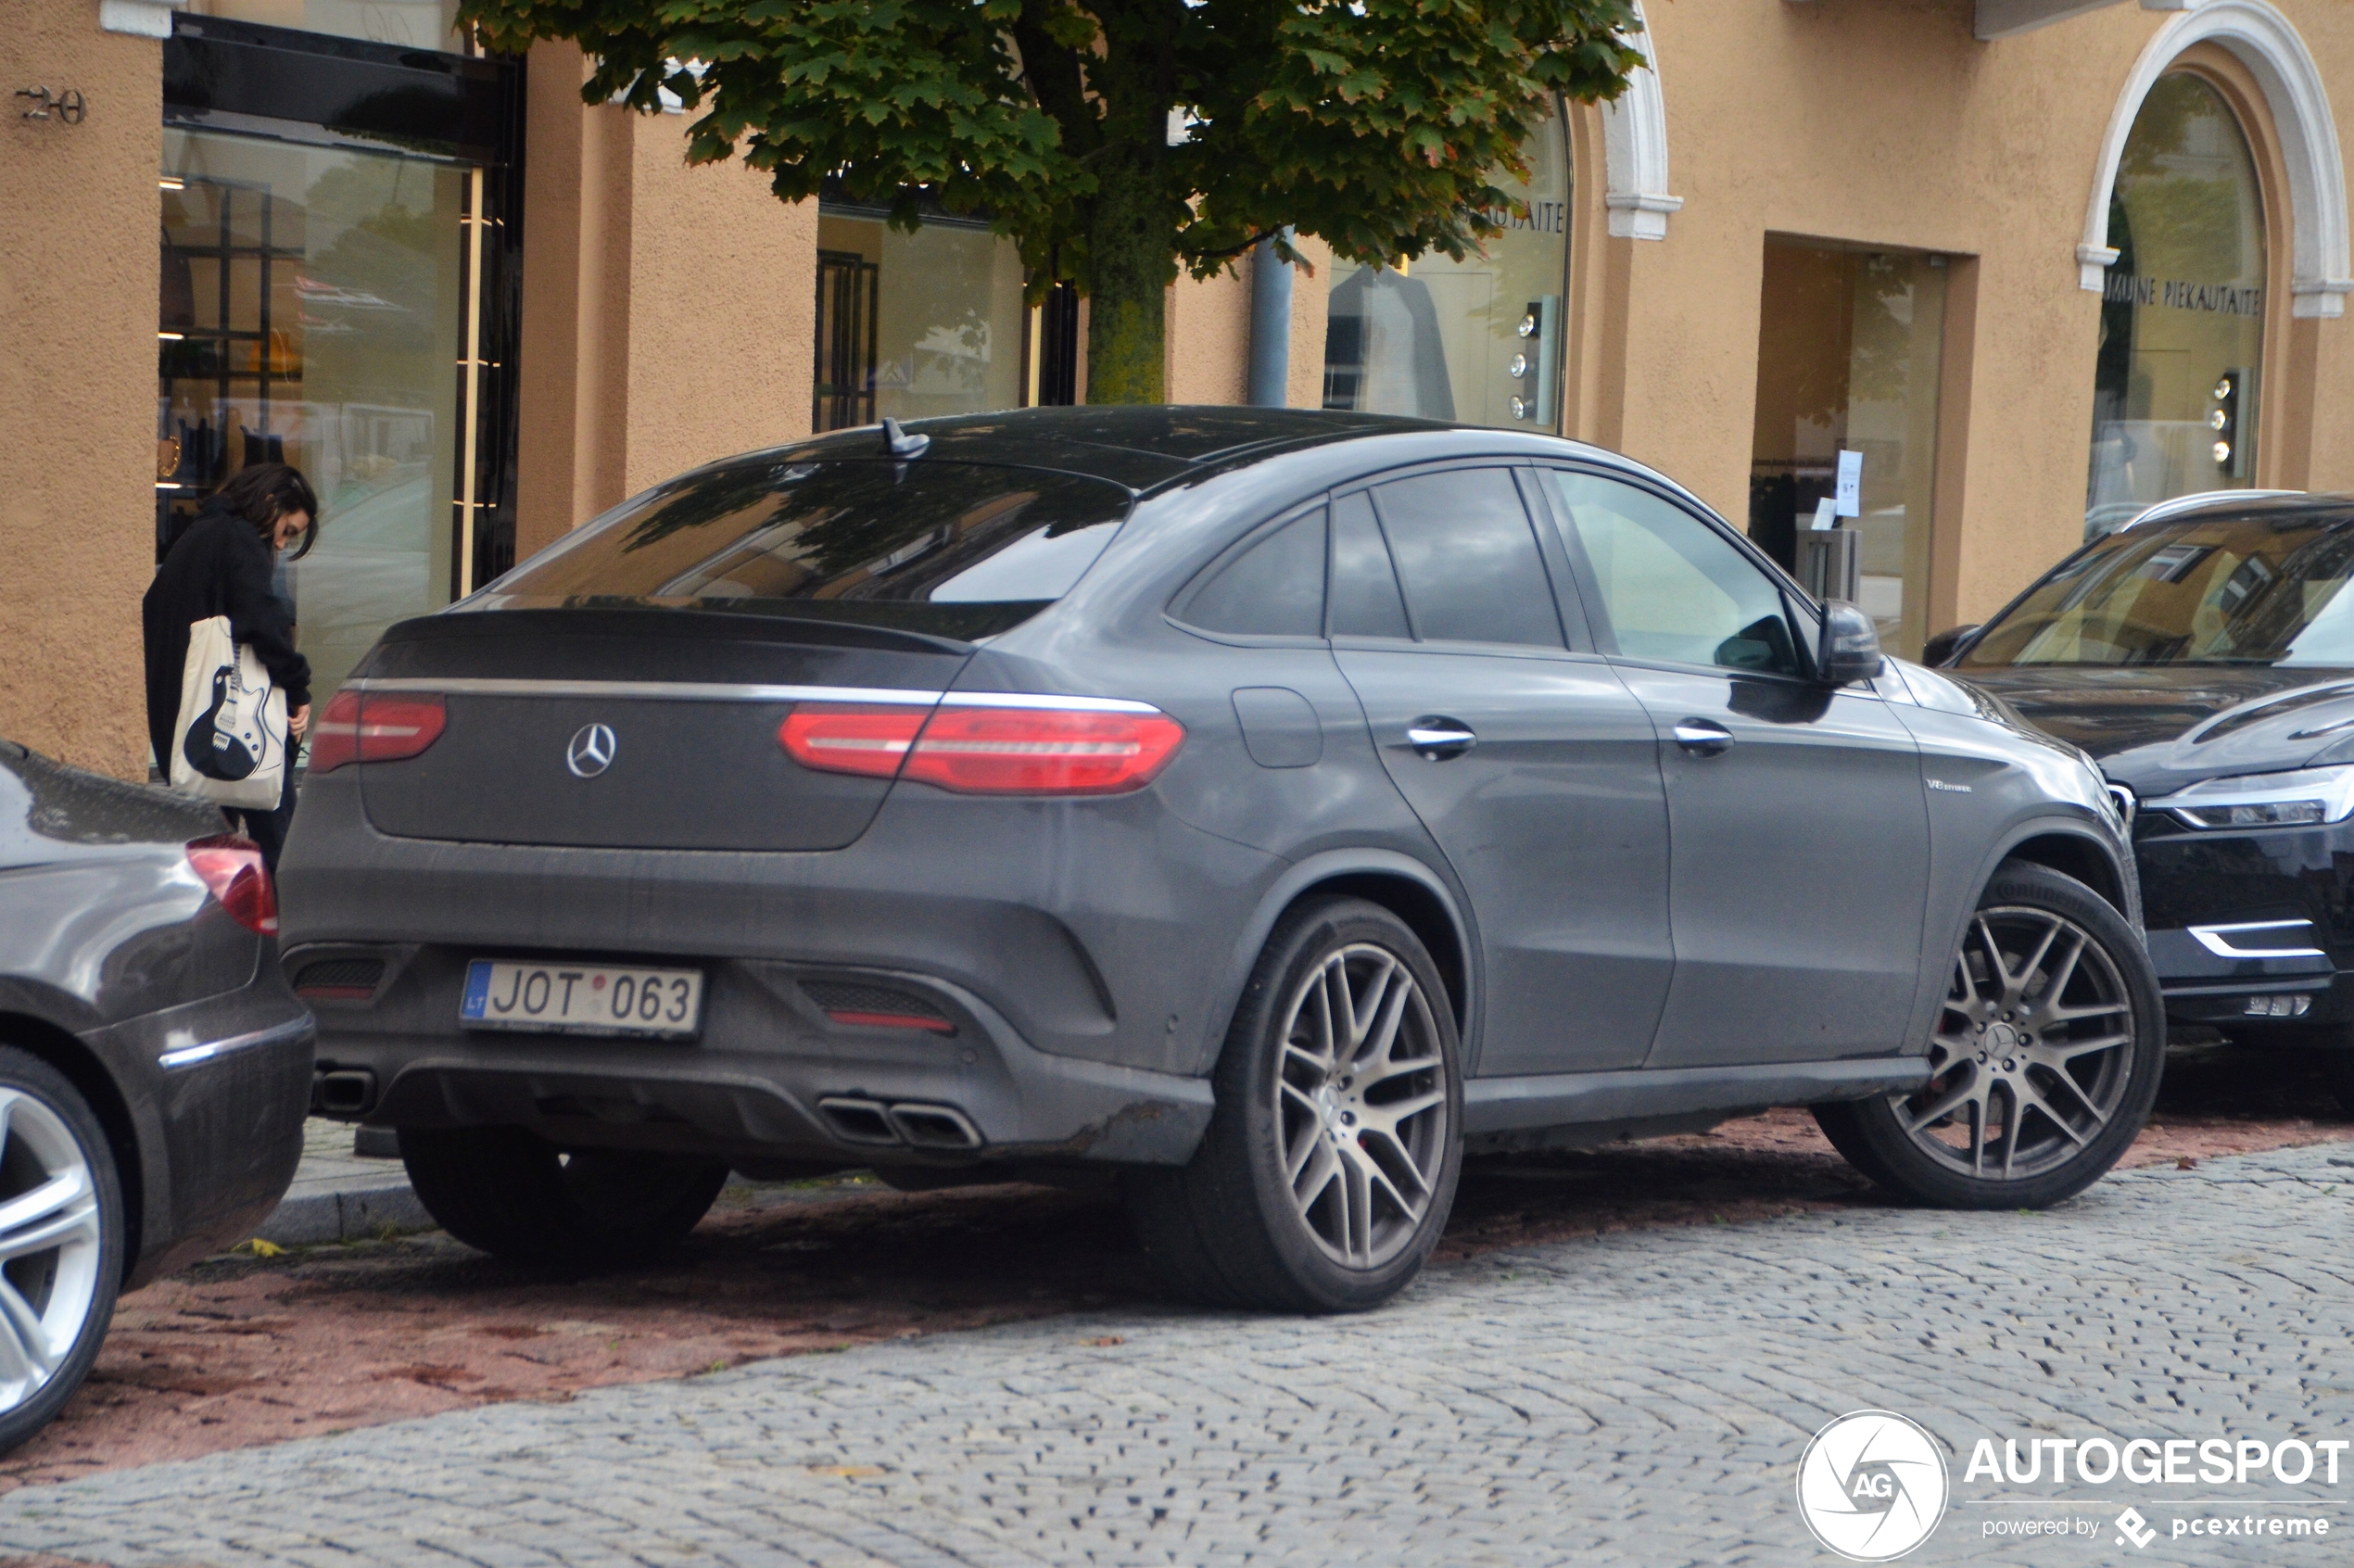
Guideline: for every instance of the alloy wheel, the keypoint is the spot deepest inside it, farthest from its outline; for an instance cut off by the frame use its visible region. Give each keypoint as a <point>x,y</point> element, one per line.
<point>50,1245</point>
<point>1361,1105</point>
<point>2033,1050</point>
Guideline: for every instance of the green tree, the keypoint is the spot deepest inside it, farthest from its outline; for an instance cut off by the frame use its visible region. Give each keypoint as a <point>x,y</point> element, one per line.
<point>1376,125</point>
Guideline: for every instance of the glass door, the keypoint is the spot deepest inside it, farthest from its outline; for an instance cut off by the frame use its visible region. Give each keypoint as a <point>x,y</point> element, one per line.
<point>1849,347</point>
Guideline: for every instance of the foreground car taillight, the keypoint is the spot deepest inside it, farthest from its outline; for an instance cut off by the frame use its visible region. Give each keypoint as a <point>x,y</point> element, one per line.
<point>374,726</point>
<point>840,738</point>
<point>232,869</point>
<point>987,751</point>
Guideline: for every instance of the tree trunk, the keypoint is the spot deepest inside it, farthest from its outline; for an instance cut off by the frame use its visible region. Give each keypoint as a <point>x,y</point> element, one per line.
<point>1130,246</point>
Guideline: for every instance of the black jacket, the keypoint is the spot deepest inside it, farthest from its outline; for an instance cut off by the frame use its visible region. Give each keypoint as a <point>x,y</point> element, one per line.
<point>218,567</point>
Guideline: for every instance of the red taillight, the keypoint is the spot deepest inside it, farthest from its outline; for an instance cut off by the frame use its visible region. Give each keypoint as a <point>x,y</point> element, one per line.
<point>232,869</point>
<point>374,726</point>
<point>1042,751</point>
<point>840,737</point>
<point>993,751</point>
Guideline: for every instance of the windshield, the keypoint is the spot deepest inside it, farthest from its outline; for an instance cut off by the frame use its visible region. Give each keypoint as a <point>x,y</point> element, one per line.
<point>956,550</point>
<point>2228,591</point>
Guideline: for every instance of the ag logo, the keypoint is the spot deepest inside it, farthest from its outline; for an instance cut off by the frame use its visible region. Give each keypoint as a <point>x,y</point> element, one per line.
<point>1871,1486</point>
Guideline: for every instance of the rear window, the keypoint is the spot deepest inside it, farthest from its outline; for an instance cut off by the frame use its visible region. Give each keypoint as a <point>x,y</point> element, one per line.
<point>956,550</point>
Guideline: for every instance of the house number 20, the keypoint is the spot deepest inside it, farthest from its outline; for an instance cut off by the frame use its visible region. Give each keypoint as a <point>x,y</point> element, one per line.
<point>68,106</point>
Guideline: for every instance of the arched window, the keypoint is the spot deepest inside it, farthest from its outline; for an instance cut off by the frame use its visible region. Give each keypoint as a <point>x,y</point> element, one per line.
<point>1477,340</point>
<point>2175,394</point>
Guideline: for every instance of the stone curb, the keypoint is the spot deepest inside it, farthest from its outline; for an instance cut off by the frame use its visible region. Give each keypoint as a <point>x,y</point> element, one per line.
<point>361,1211</point>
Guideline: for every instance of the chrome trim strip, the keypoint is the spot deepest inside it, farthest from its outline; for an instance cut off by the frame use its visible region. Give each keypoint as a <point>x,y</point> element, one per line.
<point>715,691</point>
<point>2216,940</point>
<point>1044,699</point>
<point>276,1035</point>
<point>686,691</point>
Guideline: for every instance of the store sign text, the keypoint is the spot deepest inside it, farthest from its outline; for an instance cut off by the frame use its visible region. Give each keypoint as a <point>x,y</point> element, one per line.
<point>1544,217</point>
<point>2124,288</point>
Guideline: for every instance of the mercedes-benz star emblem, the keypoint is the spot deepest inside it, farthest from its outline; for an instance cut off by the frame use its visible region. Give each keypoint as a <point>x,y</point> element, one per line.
<point>591,751</point>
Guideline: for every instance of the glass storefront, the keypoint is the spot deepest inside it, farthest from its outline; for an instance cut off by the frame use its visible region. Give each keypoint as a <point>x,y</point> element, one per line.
<point>1478,340</point>
<point>334,303</point>
<point>911,325</point>
<point>2175,393</point>
<point>1849,348</point>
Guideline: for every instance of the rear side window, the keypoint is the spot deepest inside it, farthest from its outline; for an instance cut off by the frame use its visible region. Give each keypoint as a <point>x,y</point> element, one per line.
<point>957,549</point>
<point>1468,559</point>
<point>1273,589</point>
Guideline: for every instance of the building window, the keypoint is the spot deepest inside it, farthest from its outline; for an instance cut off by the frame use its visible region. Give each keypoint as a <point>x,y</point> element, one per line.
<point>912,325</point>
<point>1477,341</point>
<point>334,303</point>
<point>409,24</point>
<point>1849,348</point>
<point>2176,385</point>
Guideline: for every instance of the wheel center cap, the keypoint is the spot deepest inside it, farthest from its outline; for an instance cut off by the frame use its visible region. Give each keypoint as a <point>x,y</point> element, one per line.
<point>1328,1108</point>
<point>2002,1039</point>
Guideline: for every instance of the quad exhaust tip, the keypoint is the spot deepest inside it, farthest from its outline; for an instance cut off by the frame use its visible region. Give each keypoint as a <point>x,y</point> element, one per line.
<point>906,1124</point>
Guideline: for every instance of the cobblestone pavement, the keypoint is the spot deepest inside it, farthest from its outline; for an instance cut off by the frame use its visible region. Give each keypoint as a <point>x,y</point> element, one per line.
<point>1637,1397</point>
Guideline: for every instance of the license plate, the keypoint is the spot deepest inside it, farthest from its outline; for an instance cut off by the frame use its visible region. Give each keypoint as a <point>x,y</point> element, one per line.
<point>581,998</point>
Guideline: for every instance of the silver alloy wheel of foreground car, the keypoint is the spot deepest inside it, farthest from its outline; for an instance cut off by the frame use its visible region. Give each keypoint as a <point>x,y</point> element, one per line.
<point>2033,1052</point>
<point>50,1245</point>
<point>1362,1092</point>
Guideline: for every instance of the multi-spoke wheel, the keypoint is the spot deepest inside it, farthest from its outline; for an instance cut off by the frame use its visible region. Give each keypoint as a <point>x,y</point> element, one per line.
<point>60,1243</point>
<point>2044,1064</point>
<point>1330,1164</point>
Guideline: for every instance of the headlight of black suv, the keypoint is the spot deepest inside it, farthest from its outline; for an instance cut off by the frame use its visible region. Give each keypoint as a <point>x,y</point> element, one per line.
<point>2306,798</point>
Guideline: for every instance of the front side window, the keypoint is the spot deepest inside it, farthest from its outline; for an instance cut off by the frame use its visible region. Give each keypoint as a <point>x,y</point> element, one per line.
<point>2236,590</point>
<point>1468,560</point>
<point>1671,589</point>
<point>950,548</point>
<point>2176,382</point>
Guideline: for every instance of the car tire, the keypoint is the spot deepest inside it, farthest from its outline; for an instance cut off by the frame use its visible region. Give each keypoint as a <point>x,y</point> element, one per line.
<point>514,1194</point>
<point>2047,1056</point>
<point>2337,1072</point>
<point>1368,1114</point>
<point>50,1140</point>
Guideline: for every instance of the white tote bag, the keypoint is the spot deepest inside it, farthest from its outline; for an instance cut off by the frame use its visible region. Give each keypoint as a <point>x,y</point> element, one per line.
<point>230,745</point>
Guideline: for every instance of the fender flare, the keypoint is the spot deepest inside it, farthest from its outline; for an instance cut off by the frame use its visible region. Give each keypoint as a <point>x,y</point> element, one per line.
<point>1323,867</point>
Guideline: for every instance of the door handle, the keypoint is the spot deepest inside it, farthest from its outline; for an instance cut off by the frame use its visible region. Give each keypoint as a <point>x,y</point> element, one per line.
<point>1436,737</point>
<point>1703,738</point>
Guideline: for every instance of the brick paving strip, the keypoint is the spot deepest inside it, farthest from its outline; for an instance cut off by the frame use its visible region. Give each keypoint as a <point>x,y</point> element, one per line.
<point>1639,1397</point>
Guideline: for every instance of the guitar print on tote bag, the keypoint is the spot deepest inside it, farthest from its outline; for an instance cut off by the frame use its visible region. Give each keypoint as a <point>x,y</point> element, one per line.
<point>231,730</point>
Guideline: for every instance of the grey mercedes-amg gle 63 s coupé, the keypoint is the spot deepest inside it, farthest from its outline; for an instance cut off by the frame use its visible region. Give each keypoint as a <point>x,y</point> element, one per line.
<point>1269,806</point>
<point>2205,655</point>
<point>153,1068</point>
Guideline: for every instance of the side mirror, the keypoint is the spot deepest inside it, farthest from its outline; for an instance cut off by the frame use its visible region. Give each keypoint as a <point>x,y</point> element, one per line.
<point>1947,645</point>
<point>1850,649</point>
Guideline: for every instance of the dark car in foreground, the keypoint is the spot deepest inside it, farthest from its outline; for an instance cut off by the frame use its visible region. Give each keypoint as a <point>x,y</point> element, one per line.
<point>2205,655</point>
<point>153,1068</point>
<point>1264,806</point>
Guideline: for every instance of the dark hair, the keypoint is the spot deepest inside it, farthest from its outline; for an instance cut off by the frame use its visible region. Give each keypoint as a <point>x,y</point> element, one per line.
<point>263,492</point>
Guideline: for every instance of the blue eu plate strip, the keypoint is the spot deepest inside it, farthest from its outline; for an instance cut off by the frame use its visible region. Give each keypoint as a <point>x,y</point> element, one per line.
<point>477,999</point>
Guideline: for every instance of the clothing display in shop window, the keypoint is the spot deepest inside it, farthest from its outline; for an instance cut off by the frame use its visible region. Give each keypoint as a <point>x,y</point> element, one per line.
<point>1383,350</point>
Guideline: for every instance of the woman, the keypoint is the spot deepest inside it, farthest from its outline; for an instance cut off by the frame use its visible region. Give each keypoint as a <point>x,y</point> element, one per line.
<point>222,566</point>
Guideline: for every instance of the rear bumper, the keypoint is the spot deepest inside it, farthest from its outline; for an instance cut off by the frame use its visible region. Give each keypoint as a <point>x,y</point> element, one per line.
<point>217,1090</point>
<point>772,1076</point>
<point>1075,951</point>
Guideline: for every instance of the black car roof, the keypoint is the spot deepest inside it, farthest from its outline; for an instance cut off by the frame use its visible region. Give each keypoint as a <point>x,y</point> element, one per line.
<point>1139,448</point>
<point>2300,508</point>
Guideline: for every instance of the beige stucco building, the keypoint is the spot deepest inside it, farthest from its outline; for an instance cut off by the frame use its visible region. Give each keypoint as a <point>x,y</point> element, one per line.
<point>2029,264</point>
